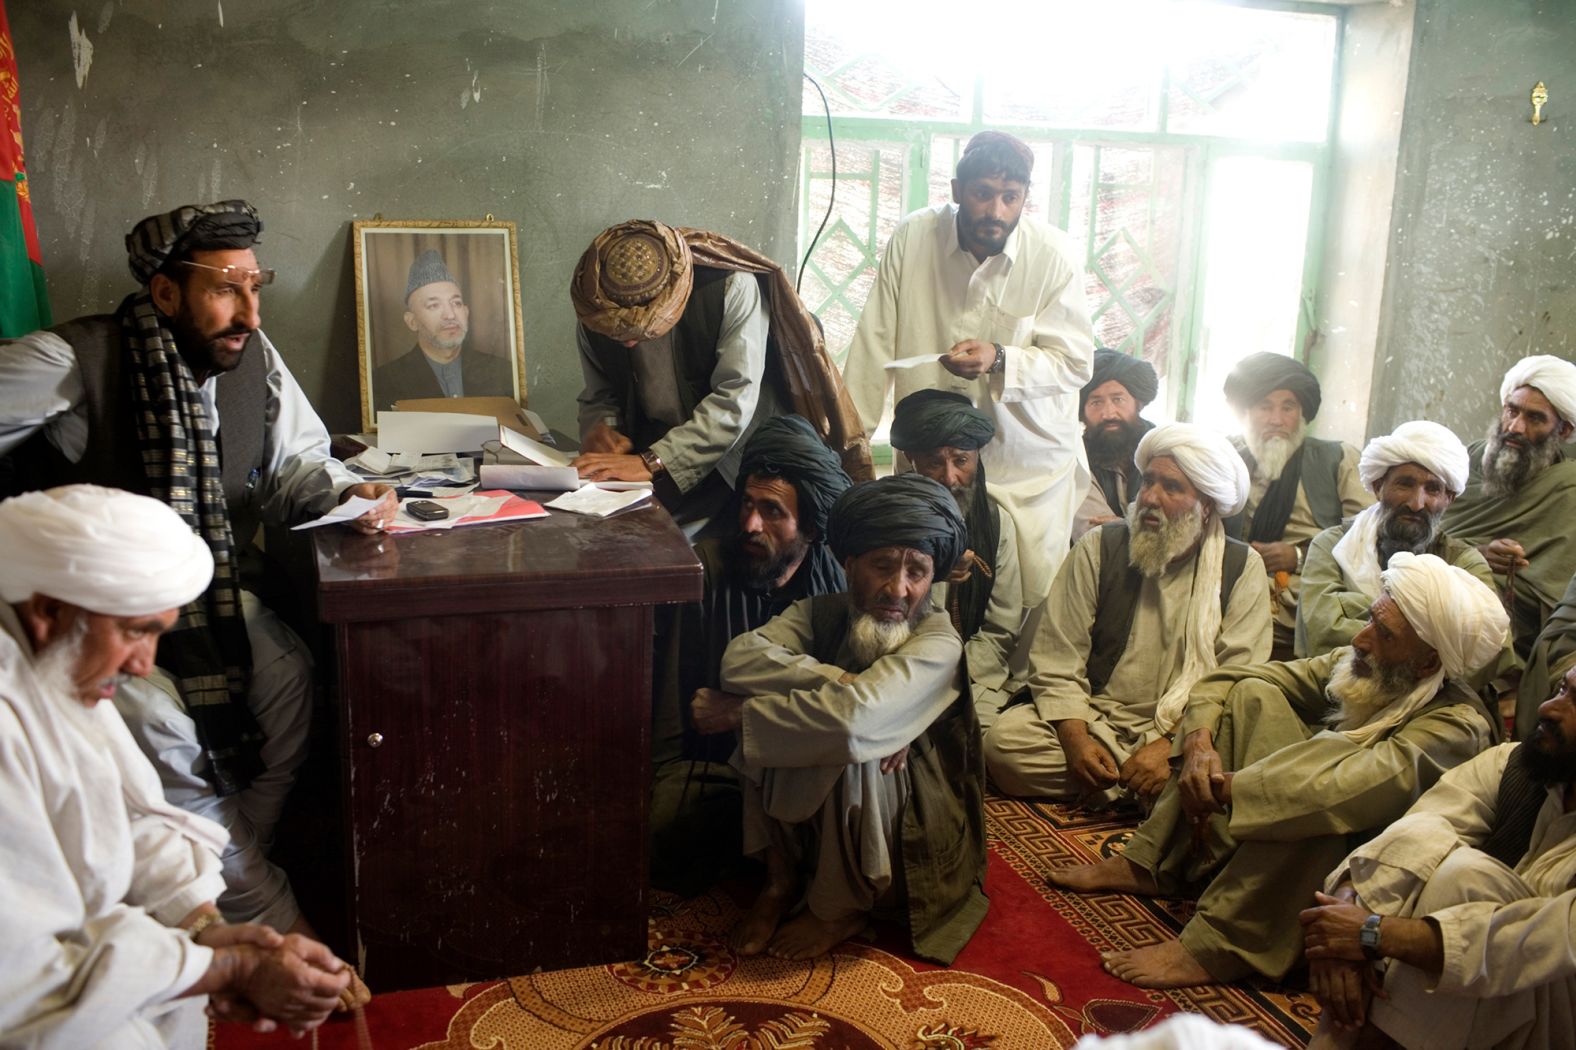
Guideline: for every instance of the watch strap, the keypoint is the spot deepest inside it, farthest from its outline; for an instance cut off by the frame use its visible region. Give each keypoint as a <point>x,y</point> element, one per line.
<point>1368,938</point>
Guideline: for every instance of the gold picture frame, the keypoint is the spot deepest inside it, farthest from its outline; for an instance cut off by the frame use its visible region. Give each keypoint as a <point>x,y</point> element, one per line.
<point>481,260</point>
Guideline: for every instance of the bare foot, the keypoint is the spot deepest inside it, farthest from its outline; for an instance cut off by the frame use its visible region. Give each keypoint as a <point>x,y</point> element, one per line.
<point>807,936</point>
<point>1167,965</point>
<point>1112,875</point>
<point>750,934</point>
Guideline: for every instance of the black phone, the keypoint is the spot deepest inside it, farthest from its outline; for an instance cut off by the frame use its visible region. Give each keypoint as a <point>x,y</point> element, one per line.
<point>426,510</point>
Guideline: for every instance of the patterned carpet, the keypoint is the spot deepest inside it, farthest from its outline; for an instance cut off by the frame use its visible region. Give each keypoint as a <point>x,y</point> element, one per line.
<point>1031,978</point>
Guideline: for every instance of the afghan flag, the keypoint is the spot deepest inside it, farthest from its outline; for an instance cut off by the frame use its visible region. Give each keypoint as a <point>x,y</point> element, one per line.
<point>24,301</point>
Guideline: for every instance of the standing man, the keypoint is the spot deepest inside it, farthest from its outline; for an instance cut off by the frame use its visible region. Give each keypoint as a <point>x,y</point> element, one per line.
<point>1301,485</point>
<point>858,750</point>
<point>1520,500</point>
<point>1110,403</point>
<point>1003,301</point>
<point>440,364</point>
<point>777,555</point>
<point>676,327</point>
<point>136,400</point>
<point>941,433</point>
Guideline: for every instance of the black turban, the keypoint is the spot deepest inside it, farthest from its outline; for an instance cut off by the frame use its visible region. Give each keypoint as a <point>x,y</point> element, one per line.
<point>905,510</point>
<point>931,419</point>
<point>191,227</point>
<point>1136,374</point>
<point>786,447</point>
<point>1258,375</point>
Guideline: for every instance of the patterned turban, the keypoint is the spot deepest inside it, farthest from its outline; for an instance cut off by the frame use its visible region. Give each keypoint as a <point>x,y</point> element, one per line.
<point>1550,376</point>
<point>1450,609</point>
<point>1134,373</point>
<point>428,269</point>
<point>786,447</point>
<point>103,550</point>
<point>1429,445</point>
<point>1258,375</point>
<point>932,419</point>
<point>634,281</point>
<point>191,227</point>
<point>1208,460</point>
<point>904,510</point>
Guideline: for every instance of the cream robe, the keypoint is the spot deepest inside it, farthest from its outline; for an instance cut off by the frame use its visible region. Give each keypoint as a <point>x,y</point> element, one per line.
<point>97,870</point>
<point>1509,977</point>
<point>931,294</point>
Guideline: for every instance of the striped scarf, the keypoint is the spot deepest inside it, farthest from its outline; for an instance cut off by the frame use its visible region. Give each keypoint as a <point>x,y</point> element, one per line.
<point>207,651</point>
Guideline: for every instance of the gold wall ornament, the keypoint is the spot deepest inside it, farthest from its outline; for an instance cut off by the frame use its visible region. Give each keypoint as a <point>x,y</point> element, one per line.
<point>1540,98</point>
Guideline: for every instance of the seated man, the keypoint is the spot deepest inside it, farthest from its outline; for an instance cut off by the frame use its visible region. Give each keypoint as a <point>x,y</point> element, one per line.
<point>1301,485</point>
<point>1552,655</point>
<point>1520,499</point>
<point>1110,403</point>
<point>1416,472</point>
<point>942,433</point>
<point>135,400</point>
<point>107,886</point>
<point>1140,609</point>
<point>1471,894</point>
<point>675,328</point>
<point>1281,763</point>
<point>858,750</point>
<point>441,364</point>
<point>777,556</point>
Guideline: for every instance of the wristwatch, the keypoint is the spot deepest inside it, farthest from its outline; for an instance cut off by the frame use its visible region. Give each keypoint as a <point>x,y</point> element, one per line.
<point>999,365</point>
<point>203,921</point>
<point>653,463</point>
<point>1368,938</point>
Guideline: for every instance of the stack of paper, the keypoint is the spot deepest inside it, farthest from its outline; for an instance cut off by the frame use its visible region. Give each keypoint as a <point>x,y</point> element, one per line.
<point>479,508</point>
<point>598,502</point>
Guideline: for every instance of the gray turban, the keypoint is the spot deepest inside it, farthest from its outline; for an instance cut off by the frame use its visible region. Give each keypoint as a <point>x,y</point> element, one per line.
<point>1134,373</point>
<point>931,419</point>
<point>786,447</point>
<point>905,510</point>
<point>1259,375</point>
<point>103,550</point>
<point>427,269</point>
<point>191,227</point>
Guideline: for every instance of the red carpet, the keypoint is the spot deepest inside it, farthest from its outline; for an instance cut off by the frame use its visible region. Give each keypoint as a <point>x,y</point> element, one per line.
<point>1031,978</point>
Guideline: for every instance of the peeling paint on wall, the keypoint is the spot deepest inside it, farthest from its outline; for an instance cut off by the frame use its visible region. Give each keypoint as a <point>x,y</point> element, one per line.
<point>81,51</point>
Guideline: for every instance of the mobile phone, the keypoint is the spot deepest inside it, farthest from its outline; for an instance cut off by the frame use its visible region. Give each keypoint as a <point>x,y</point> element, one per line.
<point>426,510</point>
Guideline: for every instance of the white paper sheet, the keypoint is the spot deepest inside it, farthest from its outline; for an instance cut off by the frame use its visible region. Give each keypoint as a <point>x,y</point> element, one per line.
<point>914,362</point>
<point>349,510</point>
<point>597,502</point>
<point>533,478</point>
<point>434,431</point>
<point>534,451</point>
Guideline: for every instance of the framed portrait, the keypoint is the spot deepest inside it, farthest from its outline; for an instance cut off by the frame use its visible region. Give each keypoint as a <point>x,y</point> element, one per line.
<point>437,312</point>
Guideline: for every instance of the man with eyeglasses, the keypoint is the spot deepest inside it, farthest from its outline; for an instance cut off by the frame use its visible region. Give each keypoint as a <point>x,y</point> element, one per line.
<point>180,396</point>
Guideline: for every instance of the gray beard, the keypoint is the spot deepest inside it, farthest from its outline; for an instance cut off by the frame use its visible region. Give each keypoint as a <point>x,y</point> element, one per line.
<point>54,669</point>
<point>1150,551</point>
<point>1270,455</point>
<point>869,639</point>
<point>1396,534</point>
<point>1359,699</point>
<point>1507,468</point>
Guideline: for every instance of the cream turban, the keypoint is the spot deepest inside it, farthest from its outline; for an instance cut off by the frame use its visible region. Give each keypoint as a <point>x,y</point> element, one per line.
<point>104,550</point>
<point>1427,444</point>
<point>1552,377</point>
<point>1450,609</point>
<point>1208,460</point>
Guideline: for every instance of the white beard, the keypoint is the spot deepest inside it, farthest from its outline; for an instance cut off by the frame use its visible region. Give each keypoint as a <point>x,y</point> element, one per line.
<point>1360,699</point>
<point>55,668</point>
<point>1150,551</point>
<point>870,639</point>
<point>1270,454</point>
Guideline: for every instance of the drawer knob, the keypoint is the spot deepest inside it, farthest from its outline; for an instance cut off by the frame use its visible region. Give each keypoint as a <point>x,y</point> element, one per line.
<point>375,740</point>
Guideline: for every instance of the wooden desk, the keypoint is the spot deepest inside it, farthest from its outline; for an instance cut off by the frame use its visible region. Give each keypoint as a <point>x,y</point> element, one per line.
<point>495,704</point>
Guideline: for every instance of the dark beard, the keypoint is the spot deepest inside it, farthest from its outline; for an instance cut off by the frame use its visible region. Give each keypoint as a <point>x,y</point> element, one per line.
<point>204,354</point>
<point>1549,767</point>
<point>759,575</point>
<point>1507,467</point>
<point>1399,531</point>
<point>1112,448</point>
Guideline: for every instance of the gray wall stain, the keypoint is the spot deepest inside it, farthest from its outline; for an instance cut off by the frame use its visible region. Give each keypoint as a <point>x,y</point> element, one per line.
<point>1483,234</point>
<point>579,116</point>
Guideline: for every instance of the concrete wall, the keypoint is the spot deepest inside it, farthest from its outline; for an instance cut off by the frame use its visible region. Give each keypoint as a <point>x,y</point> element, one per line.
<point>562,118</point>
<point>1482,244</point>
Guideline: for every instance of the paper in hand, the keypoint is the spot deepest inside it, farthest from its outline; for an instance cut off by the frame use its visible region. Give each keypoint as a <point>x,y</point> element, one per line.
<point>349,510</point>
<point>914,362</point>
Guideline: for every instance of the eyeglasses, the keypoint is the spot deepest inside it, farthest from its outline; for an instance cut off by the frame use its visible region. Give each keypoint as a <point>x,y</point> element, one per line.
<point>235,274</point>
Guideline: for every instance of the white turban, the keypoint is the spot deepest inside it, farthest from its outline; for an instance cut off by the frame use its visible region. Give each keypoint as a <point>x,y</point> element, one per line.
<point>1427,444</point>
<point>103,550</point>
<point>1552,377</point>
<point>1450,609</point>
<point>1209,461</point>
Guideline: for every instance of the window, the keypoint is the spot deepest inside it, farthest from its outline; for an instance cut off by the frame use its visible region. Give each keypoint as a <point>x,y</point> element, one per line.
<point>1183,144</point>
